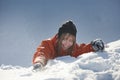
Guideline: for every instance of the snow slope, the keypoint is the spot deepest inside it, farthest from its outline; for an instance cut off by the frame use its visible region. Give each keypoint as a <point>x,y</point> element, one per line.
<point>91,66</point>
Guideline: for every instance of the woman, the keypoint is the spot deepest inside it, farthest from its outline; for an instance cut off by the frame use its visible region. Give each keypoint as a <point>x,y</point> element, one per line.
<point>63,44</point>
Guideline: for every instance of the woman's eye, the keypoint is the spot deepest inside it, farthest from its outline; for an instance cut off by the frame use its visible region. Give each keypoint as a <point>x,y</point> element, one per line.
<point>71,40</point>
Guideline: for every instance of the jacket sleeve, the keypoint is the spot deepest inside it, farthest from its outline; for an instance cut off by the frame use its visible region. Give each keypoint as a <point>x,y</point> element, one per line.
<point>83,48</point>
<point>43,53</point>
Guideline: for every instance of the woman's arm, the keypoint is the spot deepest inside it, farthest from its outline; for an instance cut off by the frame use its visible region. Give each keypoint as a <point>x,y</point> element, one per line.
<point>83,48</point>
<point>43,53</point>
<point>94,46</point>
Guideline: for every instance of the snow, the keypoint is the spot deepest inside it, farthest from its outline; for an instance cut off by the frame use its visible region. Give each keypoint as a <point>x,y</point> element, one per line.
<point>91,66</point>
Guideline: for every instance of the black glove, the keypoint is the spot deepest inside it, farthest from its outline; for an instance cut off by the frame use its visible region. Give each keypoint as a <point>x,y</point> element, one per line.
<point>37,67</point>
<point>97,45</point>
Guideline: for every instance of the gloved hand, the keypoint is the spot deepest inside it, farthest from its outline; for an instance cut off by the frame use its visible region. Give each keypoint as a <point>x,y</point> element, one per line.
<point>97,45</point>
<point>37,67</point>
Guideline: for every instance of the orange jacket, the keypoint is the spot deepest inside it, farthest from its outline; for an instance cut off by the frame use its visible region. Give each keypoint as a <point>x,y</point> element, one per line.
<point>47,51</point>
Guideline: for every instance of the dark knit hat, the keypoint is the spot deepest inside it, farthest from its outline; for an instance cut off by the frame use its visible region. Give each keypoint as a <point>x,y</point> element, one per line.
<point>67,27</point>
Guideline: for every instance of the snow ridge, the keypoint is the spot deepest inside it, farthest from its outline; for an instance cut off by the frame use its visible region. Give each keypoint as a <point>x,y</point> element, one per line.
<point>91,66</point>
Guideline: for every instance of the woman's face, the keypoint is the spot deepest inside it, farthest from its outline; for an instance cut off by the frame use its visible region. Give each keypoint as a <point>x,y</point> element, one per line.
<point>67,41</point>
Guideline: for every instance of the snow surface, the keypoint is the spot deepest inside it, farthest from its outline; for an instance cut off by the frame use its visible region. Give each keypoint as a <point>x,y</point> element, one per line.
<point>91,66</point>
